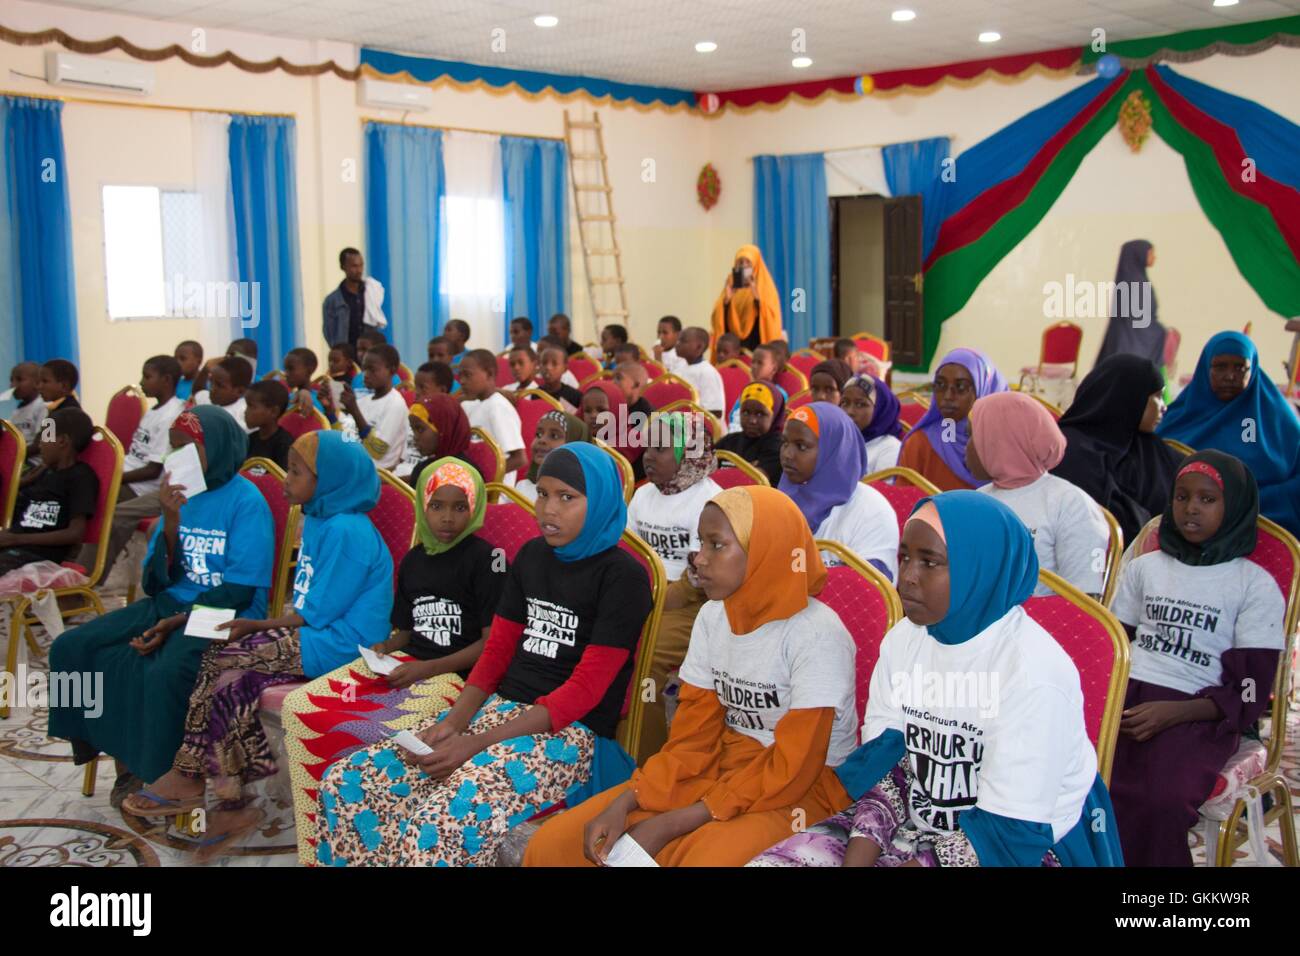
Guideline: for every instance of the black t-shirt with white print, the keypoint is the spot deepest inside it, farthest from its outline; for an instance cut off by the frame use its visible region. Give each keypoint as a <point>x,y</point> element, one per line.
<point>51,502</point>
<point>565,606</point>
<point>446,600</point>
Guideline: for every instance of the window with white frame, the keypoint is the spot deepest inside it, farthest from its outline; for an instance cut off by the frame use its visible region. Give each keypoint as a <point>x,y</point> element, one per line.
<point>153,248</point>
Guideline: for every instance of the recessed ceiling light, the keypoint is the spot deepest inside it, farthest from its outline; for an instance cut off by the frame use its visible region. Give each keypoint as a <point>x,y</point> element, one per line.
<point>990,36</point>
<point>546,21</point>
<point>705,46</point>
<point>801,62</point>
<point>902,16</point>
<point>1225,3</point>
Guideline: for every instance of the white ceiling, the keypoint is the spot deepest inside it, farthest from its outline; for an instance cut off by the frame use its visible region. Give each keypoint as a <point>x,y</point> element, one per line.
<point>652,42</point>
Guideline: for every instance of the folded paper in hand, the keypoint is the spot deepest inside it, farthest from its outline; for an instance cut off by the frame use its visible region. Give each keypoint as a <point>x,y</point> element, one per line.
<point>203,621</point>
<point>379,663</point>
<point>414,744</point>
<point>184,471</point>
<point>627,852</point>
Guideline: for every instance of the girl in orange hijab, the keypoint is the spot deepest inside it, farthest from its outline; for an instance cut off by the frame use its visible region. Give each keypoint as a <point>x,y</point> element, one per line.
<point>749,306</point>
<point>767,707</point>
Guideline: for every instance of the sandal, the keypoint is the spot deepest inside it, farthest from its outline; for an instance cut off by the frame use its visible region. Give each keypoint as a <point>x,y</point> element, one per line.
<point>125,785</point>
<point>214,846</point>
<point>163,806</point>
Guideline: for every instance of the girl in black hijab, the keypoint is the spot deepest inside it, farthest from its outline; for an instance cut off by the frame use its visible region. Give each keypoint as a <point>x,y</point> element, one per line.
<point>1111,450</point>
<point>1133,329</point>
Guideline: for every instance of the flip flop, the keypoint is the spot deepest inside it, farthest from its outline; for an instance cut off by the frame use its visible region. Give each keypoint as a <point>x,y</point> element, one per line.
<point>165,807</point>
<point>213,846</point>
<point>125,785</point>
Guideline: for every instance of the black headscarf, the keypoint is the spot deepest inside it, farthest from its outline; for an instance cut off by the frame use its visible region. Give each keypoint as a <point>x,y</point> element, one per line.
<point>1128,472</point>
<point>1123,337</point>
<point>1236,536</point>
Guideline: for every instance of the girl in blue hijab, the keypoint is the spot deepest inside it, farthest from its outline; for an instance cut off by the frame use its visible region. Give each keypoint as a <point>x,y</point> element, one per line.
<point>342,597</point>
<point>536,721</point>
<point>1232,406</point>
<point>976,751</point>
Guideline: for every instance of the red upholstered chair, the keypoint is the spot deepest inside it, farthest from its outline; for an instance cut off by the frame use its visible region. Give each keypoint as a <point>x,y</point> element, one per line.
<point>125,409</point>
<point>404,374</point>
<point>733,472</point>
<point>624,467</point>
<point>868,606</point>
<point>1058,356</point>
<point>504,375</point>
<point>792,380</point>
<point>13,452</point>
<point>394,516</point>
<point>1099,648</point>
<point>872,345</point>
<point>735,376</point>
<point>629,728</point>
<point>509,522</point>
<point>912,407</point>
<point>691,408</point>
<point>298,424</point>
<point>583,367</point>
<point>269,479</point>
<point>902,488</point>
<point>798,399</point>
<point>746,357</point>
<point>530,412</point>
<point>652,368</point>
<point>485,455</point>
<point>1114,551</point>
<point>804,361</point>
<point>669,388</point>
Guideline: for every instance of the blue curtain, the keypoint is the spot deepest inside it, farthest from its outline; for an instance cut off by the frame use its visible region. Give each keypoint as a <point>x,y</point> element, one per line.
<point>405,186</point>
<point>916,169</point>
<point>38,305</point>
<point>534,190</point>
<point>792,230</point>
<point>263,185</point>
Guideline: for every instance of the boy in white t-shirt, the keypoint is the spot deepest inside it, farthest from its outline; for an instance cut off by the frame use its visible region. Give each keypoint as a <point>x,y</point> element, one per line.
<point>490,410</point>
<point>692,345</point>
<point>228,379</point>
<point>142,467</point>
<point>665,353</point>
<point>377,419</point>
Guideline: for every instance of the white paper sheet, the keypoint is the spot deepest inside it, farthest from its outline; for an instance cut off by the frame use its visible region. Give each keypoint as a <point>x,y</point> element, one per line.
<point>379,663</point>
<point>182,468</point>
<point>203,621</point>
<point>627,852</point>
<point>414,744</point>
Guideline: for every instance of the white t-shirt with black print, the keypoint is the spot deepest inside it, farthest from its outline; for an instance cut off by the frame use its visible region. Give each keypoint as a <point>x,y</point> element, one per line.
<point>1070,532</point>
<point>800,663</point>
<point>670,523</point>
<point>1187,615</point>
<point>866,525</point>
<point>150,443</point>
<point>994,722</point>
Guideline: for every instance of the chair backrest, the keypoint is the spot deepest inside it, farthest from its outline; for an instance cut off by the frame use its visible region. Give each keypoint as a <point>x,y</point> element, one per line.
<point>629,728</point>
<point>624,467</point>
<point>792,380</point>
<point>912,408</point>
<point>652,368</point>
<point>297,424</point>
<point>733,471</point>
<point>735,376</point>
<point>269,479</point>
<point>125,409</point>
<point>902,488</point>
<point>868,606</point>
<point>530,413</point>
<point>798,399</point>
<point>669,388</point>
<point>682,405</point>
<point>535,393</point>
<point>394,516</point>
<point>13,452</point>
<point>1055,411</point>
<point>485,455</point>
<point>872,345</point>
<point>1114,551</point>
<point>1099,647</point>
<point>582,367</point>
<point>275,375</point>
<point>504,375</point>
<point>1179,447</point>
<point>404,373</point>
<point>805,360</point>
<point>104,456</point>
<point>509,521</point>
<point>407,391</point>
<point>1061,343</point>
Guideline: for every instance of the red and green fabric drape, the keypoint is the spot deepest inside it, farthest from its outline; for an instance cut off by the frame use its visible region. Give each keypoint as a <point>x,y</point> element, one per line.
<point>1002,187</point>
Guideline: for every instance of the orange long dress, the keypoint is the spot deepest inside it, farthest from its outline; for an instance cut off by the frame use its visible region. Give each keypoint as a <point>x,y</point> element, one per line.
<point>757,795</point>
<point>919,455</point>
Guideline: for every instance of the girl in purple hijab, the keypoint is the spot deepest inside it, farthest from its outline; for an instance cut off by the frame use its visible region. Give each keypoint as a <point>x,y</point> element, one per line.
<point>875,410</point>
<point>823,459</point>
<point>963,376</point>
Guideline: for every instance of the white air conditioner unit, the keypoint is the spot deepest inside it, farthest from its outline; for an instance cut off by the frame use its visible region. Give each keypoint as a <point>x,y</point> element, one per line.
<point>119,76</point>
<point>394,96</point>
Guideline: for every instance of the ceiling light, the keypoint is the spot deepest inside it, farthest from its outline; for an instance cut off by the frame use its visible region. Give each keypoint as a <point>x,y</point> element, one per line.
<point>1225,3</point>
<point>705,46</point>
<point>546,21</point>
<point>801,62</point>
<point>902,16</point>
<point>990,36</point>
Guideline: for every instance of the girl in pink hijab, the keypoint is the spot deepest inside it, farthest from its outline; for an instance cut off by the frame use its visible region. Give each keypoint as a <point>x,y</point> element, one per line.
<point>1014,443</point>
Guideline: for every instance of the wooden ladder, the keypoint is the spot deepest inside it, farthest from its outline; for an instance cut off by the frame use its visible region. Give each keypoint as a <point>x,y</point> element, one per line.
<point>593,200</point>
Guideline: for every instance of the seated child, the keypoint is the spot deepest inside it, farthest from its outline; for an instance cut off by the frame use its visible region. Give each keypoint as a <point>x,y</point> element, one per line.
<point>457,334</point>
<point>343,365</point>
<point>228,380</point>
<point>439,429</point>
<point>708,383</point>
<point>827,379</point>
<point>490,410</point>
<point>542,704</point>
<point>266,403</point>
<point>875,410</point>
<point>342,596</point>
<point>738,762</point>
<point>434,378</point>
<point>823,458</point>
<point>376,419</point>
<point>245,349</point>
<point>521,333</point>
<point>763,368</point>
<point>367,340</point>
<point>1004,775</point>
<point>1014,443</point>
<point>611,337</point>
<point>523,366</point>
<point>554,429</point>
<point>24,385</point>
<point>1205,624</point>
<point>554,366</point>
<point>299,368</point>
<point>57,385</point>
<point>761,408</point>
<point>54,503</point>
<point>668,332</point>
<point>727,348</point>
<point>632,378</point>
<point>846,350</point>
<point>190,356</point>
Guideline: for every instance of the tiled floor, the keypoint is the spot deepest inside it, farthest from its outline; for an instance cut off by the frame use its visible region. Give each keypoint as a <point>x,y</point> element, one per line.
<point>45,820</point>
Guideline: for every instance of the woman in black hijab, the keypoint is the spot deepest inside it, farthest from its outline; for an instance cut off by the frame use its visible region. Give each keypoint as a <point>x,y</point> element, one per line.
<point>1111,450</point>
<point>1133,329</point>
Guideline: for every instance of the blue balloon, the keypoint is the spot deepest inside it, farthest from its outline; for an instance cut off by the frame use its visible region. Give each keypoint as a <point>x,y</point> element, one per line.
<point>1108,66</point>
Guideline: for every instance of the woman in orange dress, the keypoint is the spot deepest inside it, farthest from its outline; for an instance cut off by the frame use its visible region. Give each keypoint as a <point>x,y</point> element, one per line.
<point>749,305</point>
